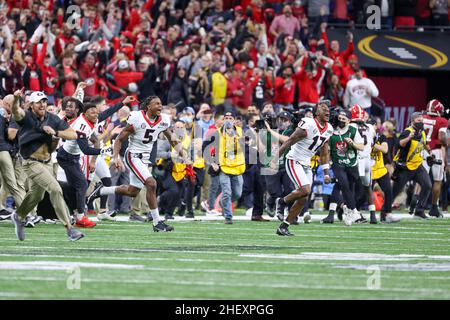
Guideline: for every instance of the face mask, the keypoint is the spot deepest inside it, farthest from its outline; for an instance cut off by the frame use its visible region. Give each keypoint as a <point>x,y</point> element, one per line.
<point>228,124</point>
<point>418,126</point>
<point>341,124</point>
<point>186,119</point>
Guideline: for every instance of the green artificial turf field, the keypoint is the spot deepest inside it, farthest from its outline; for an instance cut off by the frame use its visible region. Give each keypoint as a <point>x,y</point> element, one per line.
<point>246,260</point>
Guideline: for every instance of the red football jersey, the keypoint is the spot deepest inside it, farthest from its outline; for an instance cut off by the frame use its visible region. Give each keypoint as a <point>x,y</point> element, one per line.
<point>432,125</point>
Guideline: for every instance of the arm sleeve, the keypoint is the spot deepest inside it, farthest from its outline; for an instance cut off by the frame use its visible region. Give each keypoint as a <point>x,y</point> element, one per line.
<point>109,112</point>
<point>84,146</point>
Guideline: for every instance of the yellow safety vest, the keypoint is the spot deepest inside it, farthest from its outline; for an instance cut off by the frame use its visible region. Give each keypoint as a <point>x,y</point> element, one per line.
<point>414,157</point>
<point>179,169</point>
<point>219,88</point>
<point>231,155</point>
<point>378,169</point>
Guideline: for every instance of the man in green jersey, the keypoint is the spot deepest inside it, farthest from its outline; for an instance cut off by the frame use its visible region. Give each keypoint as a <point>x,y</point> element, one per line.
<point>344,145</point>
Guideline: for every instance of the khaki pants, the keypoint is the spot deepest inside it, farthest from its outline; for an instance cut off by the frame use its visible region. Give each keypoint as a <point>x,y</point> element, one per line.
<point>9,181</point>
<point>41,181</point>
<point>139,204</point>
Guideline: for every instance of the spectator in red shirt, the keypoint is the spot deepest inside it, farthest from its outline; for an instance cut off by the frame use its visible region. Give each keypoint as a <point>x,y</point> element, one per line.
<point>123,76</point>
<point>350,69</point>
<point>236,87</point>
<point>89,73</point>
<point>284,89</point>
<point>67,75</point>
<point>423,12</point>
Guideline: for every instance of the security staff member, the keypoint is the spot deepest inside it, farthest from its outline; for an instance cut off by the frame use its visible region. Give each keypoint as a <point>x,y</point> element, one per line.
<point>380,174</point>
<point>36,142</point>
<point>409,160</point>
<point>232,164</point>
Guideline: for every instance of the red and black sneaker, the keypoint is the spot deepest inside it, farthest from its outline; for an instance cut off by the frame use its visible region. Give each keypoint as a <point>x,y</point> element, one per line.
<point>85,223</point>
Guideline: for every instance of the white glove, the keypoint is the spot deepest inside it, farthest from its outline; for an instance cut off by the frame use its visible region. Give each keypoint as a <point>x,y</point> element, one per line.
<point>107,151</point>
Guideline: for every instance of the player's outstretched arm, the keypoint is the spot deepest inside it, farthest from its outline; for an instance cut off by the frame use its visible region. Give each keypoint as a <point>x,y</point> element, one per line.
<point>124,134</point>
<point>295,137</point>
<point>325,161</point>
<point>176,144</point>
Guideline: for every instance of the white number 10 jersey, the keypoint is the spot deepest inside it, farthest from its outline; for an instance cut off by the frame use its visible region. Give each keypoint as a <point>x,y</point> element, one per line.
<point>146,132</point>
<point>316,137</point>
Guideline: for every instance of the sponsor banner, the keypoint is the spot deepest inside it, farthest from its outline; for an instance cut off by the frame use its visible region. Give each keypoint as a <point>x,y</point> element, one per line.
<point>399,50</point>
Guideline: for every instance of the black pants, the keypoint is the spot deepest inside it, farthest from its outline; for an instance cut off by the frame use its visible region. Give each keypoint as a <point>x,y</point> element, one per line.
<point>75,177</point>
<point>253,189</point>
<point>193,188</point>
<point>278,185</point>
<point>347,177</point>
<point>169,193</point>
<point>385,184</point>
<point>336,196</point>
<point>419,176</point>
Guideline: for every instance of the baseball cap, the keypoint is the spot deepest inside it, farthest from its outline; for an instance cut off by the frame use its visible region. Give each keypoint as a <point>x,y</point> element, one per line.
<point>285,115</point>
<point>37,96</point>
<point>189,110</point>
<point>123,64</point>
<point>238,9</point>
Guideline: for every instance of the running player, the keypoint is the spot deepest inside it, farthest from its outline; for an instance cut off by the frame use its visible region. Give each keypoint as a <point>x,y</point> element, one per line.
<point>69,155</point>
<point>368,134</point>
<point>142,130</point>
<point>311,135</point>
<point>435,128</point>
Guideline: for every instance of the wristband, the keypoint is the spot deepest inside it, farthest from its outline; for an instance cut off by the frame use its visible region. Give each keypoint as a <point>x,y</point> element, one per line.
<point>326,166</point>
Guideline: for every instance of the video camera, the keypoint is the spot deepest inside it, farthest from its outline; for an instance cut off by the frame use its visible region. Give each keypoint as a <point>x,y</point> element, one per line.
<point>270,118</point>
<point>432,160</point>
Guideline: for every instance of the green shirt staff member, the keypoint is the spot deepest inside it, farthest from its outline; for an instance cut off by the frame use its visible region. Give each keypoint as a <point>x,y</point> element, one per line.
<point>344,146</point>
<point>408,163</point>
<point>38,135</point>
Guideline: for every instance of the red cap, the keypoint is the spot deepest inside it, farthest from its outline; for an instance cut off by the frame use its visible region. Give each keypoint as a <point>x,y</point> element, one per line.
<point>353,57</point>
<point>238,8</point>
<point>239,67</point>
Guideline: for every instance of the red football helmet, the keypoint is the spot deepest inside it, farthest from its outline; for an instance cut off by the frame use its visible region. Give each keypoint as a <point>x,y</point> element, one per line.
<point>357,112</point>
<point>435,107</point>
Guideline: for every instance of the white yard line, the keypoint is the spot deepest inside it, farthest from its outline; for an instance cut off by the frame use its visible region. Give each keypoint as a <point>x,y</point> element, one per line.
<point>169,250</point>
<point>444,293</point>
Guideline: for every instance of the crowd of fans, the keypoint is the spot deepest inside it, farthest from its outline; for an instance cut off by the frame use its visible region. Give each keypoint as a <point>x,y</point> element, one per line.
<point>250,57</point>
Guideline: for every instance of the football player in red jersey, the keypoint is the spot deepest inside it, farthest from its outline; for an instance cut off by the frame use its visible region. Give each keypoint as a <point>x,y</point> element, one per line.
<point>435,128</point>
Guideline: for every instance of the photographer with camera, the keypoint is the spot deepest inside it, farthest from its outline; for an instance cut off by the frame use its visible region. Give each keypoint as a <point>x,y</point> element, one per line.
<point>408,163</point>
<point>278,183</point>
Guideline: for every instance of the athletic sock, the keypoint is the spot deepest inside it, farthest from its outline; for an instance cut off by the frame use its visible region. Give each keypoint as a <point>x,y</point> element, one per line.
<point>285,224</point>
<point>106,191</point>
<point>155,216</point>
<point>79,215</point>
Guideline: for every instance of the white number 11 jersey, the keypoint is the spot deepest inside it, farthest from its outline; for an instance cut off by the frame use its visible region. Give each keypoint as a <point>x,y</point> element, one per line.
<point>316,137</point>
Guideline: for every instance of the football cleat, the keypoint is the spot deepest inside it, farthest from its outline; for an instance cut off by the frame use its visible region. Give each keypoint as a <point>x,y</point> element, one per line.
<point>74,234</point>
<point>283,230</point>
<point>105,216</point>
<point>328,219</point>
<point>85,223</point>
<point>5,214</point>
<point>389,218</point>
<point>347,217</point>
<point>134,217</point>
<point>279,210</point>
<point>228,221</point>
<point>419,214</point>
<point>359,218</point>
<point>19,227</point>
<point>434,212</point>
<point>29,222</point>
<point>162,227</point>
<point>189,215</point>
<point>95,193</point>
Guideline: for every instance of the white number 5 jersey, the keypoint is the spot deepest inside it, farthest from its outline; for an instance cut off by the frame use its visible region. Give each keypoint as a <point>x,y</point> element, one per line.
<point>316,137</point>
<point>146,132</point>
